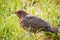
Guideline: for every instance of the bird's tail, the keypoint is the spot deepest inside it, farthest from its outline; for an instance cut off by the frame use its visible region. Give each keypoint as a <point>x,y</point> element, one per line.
<point>53,30</point>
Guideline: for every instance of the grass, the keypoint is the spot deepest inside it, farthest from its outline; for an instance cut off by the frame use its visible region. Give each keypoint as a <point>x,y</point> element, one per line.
<point>10,29</point>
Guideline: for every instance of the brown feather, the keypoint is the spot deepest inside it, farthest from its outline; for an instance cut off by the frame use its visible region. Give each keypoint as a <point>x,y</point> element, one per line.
<point>34,24</point>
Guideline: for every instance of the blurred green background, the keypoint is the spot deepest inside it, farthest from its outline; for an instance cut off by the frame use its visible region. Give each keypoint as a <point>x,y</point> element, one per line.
<point>10,29</point>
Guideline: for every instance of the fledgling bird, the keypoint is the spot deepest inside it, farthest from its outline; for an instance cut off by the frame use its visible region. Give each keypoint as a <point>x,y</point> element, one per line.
<point>34,24</point>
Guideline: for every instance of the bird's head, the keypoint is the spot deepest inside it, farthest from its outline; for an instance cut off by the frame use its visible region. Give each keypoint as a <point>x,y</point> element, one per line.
<point>20,13</point>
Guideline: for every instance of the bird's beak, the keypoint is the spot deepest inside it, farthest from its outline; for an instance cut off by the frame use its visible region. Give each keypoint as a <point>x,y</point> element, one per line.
<point>14,12</point>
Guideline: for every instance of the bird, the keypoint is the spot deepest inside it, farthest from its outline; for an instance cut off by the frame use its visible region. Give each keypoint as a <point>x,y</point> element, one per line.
<point>33,24</point>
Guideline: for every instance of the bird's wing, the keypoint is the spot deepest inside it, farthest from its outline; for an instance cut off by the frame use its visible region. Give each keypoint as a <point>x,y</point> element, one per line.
<point>33,22</point>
